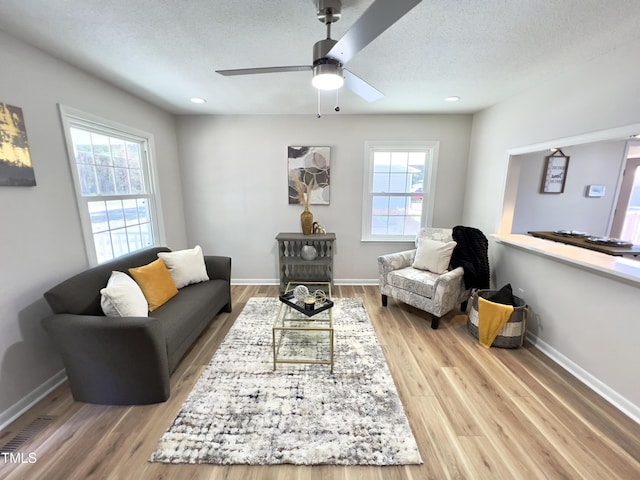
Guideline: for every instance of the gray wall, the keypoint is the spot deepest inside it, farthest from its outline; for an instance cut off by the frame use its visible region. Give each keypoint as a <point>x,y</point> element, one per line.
<point>593,163</point>
<point>40,235</point>
<point>578,316</point>
<point>234,170</point>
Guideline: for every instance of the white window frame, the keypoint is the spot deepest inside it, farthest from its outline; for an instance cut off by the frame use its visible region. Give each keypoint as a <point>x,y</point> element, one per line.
<point>431,148</point>
<point>72,117</point>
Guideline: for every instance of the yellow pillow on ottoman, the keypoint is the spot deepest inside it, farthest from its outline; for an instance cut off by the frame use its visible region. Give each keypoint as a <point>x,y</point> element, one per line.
<point>155,282</point>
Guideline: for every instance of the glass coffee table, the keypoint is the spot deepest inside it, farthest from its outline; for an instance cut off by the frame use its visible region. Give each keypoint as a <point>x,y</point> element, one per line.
<point>304,335</point>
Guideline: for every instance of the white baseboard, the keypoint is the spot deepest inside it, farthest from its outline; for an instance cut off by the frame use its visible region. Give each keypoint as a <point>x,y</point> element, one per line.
<point>356,281</point>
<point>13,412</point>
<point>255,281</point>
<point>606,392</point>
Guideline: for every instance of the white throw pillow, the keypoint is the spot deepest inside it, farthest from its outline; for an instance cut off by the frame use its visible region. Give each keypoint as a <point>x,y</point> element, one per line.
<point>122,297</point>
<point>433,255</point>
<point>185,266</point>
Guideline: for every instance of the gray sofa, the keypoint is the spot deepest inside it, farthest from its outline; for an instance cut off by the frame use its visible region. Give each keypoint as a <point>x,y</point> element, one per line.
<point>128,360</point>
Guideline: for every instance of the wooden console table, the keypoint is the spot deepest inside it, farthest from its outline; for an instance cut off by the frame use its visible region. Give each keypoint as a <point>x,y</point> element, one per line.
<point>293,268</point>
<point>630,252</point>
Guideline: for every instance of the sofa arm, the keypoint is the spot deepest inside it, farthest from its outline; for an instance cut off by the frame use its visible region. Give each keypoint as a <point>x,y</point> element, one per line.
<point>112,360</point>
<point>394,261</point>
<point>218,267</point>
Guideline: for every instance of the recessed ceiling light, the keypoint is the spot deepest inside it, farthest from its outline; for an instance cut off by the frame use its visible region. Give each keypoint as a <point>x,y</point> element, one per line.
<point>452,99</point>
<point>198,100</point>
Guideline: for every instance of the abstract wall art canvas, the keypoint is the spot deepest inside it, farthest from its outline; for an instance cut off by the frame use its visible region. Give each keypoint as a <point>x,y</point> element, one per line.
<point>312,166</point>
<point>15,160</point>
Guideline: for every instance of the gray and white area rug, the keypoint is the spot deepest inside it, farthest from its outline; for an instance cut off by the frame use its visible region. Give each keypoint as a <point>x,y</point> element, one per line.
<point>242,412</point>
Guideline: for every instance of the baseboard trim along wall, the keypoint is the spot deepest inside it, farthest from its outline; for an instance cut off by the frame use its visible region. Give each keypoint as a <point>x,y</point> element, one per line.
<point>606,392</point>
<point>254,281</point>
<point>17,409</point>
<point>356,281</point>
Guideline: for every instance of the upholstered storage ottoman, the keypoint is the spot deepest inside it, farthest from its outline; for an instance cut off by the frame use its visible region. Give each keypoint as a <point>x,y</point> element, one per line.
<point>512,334</point>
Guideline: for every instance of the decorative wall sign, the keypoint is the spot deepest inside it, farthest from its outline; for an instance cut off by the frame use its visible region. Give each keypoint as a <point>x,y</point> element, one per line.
<point>15,159</point>
<point>554,174</point>
<point>312,166</point>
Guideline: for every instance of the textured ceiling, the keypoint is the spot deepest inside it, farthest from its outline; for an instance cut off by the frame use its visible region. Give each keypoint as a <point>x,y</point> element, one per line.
<point>167,51</point>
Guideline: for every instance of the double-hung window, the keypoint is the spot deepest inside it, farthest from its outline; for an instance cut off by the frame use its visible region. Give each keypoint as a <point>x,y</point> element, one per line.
<point>399,189</point>
<point>111,169</point>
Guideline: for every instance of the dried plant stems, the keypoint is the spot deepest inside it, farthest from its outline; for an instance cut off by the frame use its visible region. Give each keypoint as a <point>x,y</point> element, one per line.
<point>303,191</point>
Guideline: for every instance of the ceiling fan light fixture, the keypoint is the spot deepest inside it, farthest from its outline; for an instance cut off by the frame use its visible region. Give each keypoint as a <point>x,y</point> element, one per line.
<point>327,76</point>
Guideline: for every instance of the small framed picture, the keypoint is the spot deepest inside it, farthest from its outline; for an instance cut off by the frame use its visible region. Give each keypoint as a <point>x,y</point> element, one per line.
<point>595,190</point>
<point>554,174</point>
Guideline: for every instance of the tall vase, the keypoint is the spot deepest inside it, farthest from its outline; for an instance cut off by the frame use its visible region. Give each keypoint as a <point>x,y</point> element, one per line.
<point>306,220</point>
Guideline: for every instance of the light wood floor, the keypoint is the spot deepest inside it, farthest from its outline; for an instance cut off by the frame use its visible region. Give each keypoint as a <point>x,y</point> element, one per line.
<point>476,413</point>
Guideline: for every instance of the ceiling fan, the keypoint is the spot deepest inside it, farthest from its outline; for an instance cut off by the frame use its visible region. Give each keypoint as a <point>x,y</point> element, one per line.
<point>330,56</point>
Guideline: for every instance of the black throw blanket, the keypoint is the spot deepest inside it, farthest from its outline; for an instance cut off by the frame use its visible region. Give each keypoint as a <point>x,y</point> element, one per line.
<point>471,253</point>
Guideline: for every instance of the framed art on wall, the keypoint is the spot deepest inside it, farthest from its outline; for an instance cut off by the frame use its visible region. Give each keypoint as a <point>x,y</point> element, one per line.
<point>312,166</point>
<point>554,174</point>
<point>15,160</point>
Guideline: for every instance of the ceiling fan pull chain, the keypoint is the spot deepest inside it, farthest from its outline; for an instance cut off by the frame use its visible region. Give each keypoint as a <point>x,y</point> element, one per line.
<point>319,115</point>
<point>337,107</point>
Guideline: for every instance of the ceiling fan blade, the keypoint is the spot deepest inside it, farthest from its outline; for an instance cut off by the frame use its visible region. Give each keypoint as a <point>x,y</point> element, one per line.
<point>360,87</point>
<point>253,71</point>
<point>375,20</point>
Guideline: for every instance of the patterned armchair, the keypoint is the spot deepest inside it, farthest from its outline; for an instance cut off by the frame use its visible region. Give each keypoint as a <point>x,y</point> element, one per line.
<point>434,293</point>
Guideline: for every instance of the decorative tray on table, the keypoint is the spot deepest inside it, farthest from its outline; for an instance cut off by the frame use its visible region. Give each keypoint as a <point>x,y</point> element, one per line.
<point>290,300</point>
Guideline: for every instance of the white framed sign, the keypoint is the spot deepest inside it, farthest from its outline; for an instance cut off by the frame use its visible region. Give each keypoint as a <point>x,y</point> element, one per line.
<point>554,174</point>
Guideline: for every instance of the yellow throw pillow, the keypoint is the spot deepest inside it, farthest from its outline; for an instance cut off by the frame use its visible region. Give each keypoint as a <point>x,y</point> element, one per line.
<point>155,282</point>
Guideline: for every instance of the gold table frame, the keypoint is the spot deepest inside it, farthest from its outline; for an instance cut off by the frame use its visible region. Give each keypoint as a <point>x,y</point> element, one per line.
<point>321,322</point>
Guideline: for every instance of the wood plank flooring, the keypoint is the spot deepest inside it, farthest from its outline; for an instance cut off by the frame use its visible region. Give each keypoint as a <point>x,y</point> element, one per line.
<point>476,414</point>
